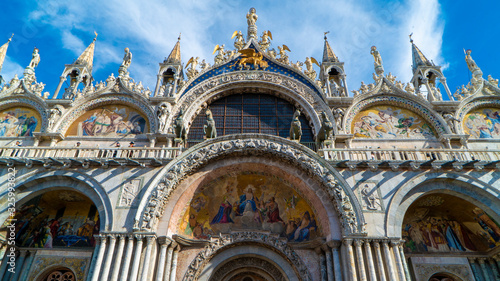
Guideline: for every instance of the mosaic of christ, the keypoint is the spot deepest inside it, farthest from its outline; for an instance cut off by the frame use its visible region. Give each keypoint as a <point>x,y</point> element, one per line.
<point>248,201</point>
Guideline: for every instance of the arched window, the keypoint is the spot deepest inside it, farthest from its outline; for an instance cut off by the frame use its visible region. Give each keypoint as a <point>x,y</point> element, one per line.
<point>251,113</point>
<point>61,274</point>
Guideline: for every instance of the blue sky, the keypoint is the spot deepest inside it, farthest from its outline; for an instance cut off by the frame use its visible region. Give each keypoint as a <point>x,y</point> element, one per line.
<point>63,29</point>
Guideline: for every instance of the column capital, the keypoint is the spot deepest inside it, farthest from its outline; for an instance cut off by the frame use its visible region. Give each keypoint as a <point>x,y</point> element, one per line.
<point>367,242</point>
<point>139,237</point>
<point>334,244</point>
<point>347,242</point>
<point>376,244</point>
<point>496,258</point>
<point>358,242</point>
<point>121,236</point>
<point>472,260</point>
<point>395,243</point>
<point>481,260</point>
<point>150,239</point>
<point>112,237</point>
<point>164,241</point>
<point>325,248</point>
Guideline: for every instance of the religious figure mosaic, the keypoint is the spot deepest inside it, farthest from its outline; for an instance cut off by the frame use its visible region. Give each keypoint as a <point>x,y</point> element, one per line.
<point>57,219</point>
<point>483,123</point>
<point>109,121</point>
<point>390,122</point>
<point>19,122</point>
<point>445,223</point>
<point>249,201</point>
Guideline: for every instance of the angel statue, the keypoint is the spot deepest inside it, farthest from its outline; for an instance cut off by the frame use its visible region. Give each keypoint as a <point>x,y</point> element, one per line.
<point>239,43</point>
<point>219,58</point>
<point>191,72</point>
<point>283,56</point>
<point>35,58</point>
<point>265,42</point>
<point>376,55</point>
<point>204,65</point>
<point>310,72</point>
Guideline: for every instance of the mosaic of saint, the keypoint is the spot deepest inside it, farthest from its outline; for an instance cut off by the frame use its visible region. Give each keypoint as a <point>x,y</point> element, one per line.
<point>19,122</point>
<point>445,223</point>
<point>109,121</point>
<point>483,123</point>
<point>389,122</point>
<point>248,201</point>
<point>57,219</point>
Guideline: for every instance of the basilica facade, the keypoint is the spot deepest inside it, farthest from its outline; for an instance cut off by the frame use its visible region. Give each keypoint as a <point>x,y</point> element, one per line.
<point>250,168</point>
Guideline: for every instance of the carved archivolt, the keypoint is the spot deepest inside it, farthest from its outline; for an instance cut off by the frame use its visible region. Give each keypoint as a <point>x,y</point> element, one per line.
<point>428,114</point>
<point>247,262</point>
<point>342,197</point>
<point>306,97</point>
<point>74,113</point>
<point>230,240</point>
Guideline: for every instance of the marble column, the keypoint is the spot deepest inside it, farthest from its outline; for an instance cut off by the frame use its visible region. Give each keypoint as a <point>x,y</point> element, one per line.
<point>486,274</point>
<point>369,259</point>
<point>329,262</point>
<point>164,243</point>
<point>403,259</point>
<point>473,266</point>
<point>322,264</point>
<point>361,261</point>
<point>127,258</point>
<point>27,265</point>
<point>109,257</point>
<point>97,241</point>
<point>19,265</point>
<point>497,260</point>
<point>173,271</point>
<point>168,266</point>
<point>100,256</point>
<point>337,268</point>
<point>137,258</point>
<point>351,265</point>
<point>3,267</point>
<point>397,257</point>
<point>388,261</point>
<point>493,267</point>
<point>379,260</point>
<point>147,257</point>
<point>118,257</point>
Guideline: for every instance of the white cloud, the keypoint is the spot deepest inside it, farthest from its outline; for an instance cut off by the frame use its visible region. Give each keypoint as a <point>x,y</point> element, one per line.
<point>11,68</point>
<point>151,29</point>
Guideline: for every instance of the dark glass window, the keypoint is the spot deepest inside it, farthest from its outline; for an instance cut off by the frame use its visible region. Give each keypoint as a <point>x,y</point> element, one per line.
<point>251,113</point>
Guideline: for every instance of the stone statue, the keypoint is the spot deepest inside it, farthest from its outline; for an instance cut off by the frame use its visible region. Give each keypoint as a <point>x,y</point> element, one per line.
<point>325,131</point>
<point>296,127</point>
<point>191,72</point>
<point>209,128</point>
<point>179,129</point>
<point>376,56</point>
<point>239,43</point>
<point>265,42</point>
<point>338,113</point>
<point>163,112</point>
<point>204,65</point>
<point>493,81</point>
<point>450,121</point>
<point>363,88</point>
<point>35,58</point>
<point>283,56</point>
<point>471,64</point>
<point>55,113</point>
<point>252,17</point>
<point>219,58</point>
<point>127,59</point>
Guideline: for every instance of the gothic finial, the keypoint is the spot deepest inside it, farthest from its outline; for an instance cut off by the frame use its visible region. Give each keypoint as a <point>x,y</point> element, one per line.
<point>179,38</point>
<point>411,40</point>
<point>10,39</point>
<point>95,38</point>
<point>326,34</point>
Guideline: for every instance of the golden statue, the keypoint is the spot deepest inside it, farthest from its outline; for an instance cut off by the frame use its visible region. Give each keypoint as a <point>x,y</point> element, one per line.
<point>250,56</point>
<point>239,43</point>
<point>251,17</point>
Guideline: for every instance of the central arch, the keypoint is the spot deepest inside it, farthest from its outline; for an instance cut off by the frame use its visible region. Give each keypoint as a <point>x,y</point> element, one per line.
<point>334,187</point>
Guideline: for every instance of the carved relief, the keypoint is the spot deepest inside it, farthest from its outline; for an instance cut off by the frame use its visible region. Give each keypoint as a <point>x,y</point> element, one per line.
<point>370,197</point>
<point>130,189</point>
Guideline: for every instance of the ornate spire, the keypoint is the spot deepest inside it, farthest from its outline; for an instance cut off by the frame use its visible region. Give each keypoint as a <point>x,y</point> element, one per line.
<point>418,57</point>
<point>328,54</point>
<point>87,57</point>
<point>175,55</point>
<point>3,51</point>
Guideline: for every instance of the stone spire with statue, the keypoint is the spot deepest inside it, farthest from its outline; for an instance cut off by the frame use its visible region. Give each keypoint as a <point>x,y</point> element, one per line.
<point>252,28</point>
<point>127,60</point>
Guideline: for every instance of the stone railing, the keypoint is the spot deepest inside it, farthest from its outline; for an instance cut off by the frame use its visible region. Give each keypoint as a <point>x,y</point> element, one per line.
<point>91,153</point>
<point>341,157</point>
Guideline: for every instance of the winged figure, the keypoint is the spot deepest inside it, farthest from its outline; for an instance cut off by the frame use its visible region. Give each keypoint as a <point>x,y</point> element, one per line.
<point>219,58</point>
<point>250,56</point>
<point>283,56</point>
<point>239,43</point>
<point>265,42</point>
